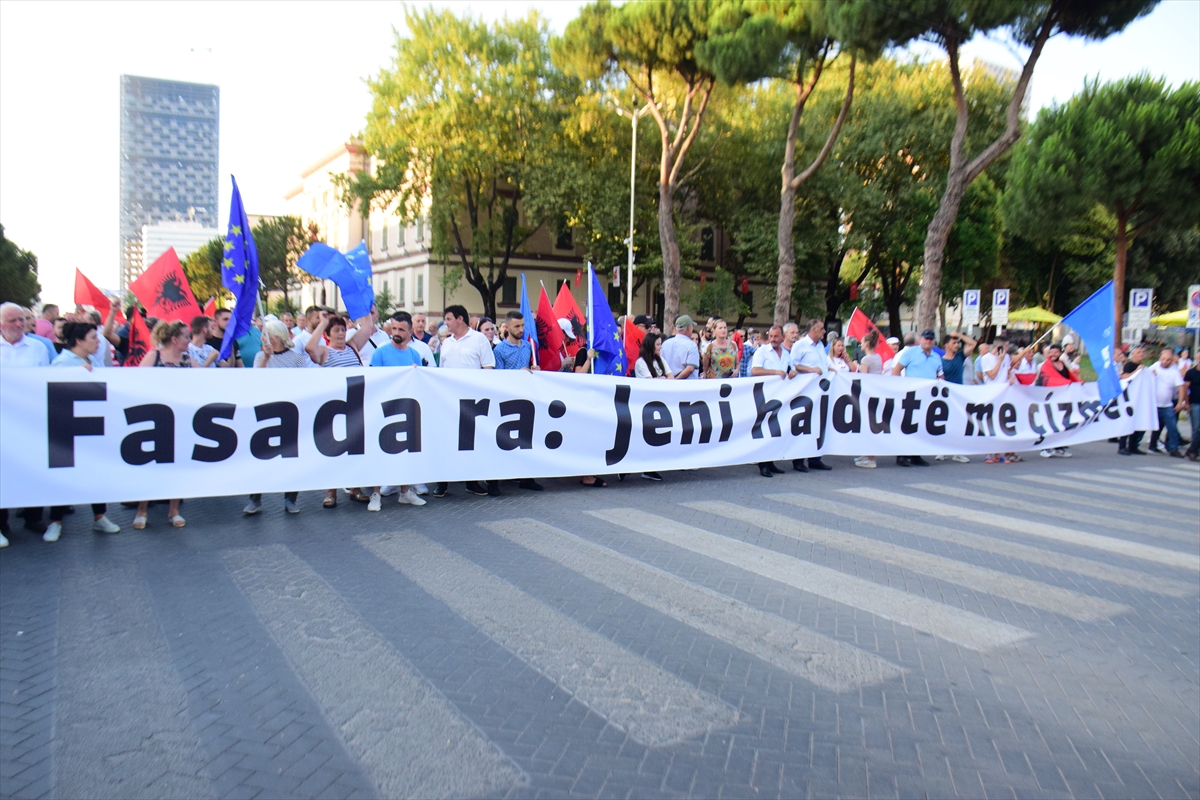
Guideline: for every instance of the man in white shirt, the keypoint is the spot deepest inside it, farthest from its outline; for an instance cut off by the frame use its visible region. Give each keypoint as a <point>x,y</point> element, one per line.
<point>17,349</point>
<point>377,339</point>
<point>791,335</point>
<point>679,352</point>
<point>995,365</point>
<point>808,355</point>
<point>1170,396</point>
<point>772,359</point>
<point>466,348</point>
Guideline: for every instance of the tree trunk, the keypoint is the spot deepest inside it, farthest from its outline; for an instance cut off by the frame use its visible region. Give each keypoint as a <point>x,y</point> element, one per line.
<point>893,309</point>
<point>787,246</point>
<point>672,272</point>
<point>1119,276</point>
<point>962,172</point>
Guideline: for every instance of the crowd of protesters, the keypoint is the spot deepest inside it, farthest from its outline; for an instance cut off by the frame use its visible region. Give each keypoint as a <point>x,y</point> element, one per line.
<point>322,338</point>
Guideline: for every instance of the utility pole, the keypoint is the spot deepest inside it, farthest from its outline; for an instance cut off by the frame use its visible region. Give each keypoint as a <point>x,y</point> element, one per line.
<point>633,116</point>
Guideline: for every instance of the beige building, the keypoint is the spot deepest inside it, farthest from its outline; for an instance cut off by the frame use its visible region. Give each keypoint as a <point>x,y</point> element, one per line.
<point>403,262</point>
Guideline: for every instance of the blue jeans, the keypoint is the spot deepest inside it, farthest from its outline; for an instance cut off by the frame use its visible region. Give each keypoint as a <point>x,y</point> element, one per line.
<point>1194,447</point>
<point>1168,419</point>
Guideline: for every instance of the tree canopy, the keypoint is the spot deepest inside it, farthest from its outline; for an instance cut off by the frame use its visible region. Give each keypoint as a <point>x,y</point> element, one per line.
<point>18,273</point>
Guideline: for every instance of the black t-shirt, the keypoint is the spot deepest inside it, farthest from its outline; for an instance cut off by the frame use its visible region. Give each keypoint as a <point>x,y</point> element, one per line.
<point>581,357</point>
<point>1192,379</point>
<point>216,341</point>
<point>1129,368</point>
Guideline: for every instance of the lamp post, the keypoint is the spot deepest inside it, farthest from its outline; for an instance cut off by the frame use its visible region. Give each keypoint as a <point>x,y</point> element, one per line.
<point>634,116</point>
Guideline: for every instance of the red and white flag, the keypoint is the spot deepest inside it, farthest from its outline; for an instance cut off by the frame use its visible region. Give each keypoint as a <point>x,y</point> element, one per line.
<point>860,326</point>
<point>565,307</point>
<point>550,336</point>
<point>163,289</point>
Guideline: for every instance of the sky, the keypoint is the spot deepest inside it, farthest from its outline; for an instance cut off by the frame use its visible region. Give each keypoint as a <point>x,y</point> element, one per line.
<point>292,78</point>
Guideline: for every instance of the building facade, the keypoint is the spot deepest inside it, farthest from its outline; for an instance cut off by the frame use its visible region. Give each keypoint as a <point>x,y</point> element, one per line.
<point>169,150</point>
<point>185,237</point>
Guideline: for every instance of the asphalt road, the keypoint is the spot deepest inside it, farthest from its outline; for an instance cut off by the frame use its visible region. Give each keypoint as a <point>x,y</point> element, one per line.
<point>962,630</point>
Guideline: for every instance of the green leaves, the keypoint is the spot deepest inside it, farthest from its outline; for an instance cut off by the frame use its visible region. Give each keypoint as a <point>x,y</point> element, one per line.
<point>18,273</point>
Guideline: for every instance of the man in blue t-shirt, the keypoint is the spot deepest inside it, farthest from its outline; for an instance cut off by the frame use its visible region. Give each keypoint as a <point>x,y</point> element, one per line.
<point>921,361</point>
<point>398,353</point>
<point>958,349</point>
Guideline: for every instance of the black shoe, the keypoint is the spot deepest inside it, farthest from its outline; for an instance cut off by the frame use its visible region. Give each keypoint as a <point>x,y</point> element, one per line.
<point>800,465</point>
<point>1192,456</point>
<point>37,526</point>
<point>476,488</point>
<point>1133,451</point>
<point>1122,451</point>
<point>651,476</point>
<point>816,463</point>
<point>1113,440</point>
<point>903,461</point>
<point>917,461</point>
<point>531,485</point>
<point>440,490</point>
<point>493,488</point>
<point>1175,453</point>
<point>771,466</point>
<point>1154,450</point>
<point>766,472</point>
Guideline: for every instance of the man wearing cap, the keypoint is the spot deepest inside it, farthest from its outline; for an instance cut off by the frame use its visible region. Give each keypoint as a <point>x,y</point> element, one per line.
<point>680,352</point>
<point>808,355</point>
<point>918,362</point>
<point>643,322</point>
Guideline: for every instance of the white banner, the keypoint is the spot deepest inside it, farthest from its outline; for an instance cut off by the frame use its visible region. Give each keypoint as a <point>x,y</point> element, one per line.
<point>72,436</point>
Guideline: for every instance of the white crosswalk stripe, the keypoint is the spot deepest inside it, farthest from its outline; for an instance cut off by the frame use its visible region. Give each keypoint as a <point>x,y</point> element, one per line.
<point>990,544</point>
<point>961,627</point>
<point>1123,510</point>
<point>1019,501</point>
<point>402,730</point>
<point>1158,555</point>
<point>1175,471</point>
<point>1147,493</point>
<point>652,705</point>
<point>999,584</point>
<point>1171,476</point>
<point>815,657</point>
<point>1083,485</point>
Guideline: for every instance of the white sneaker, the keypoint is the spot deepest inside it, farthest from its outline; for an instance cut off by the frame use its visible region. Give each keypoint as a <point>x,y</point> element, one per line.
<point>1062,452</point>
<point>53,531</point>
<point>1047,454</point>
<point>421,488</point>
<point>376,502</point>
<point>960,459</point>
<point>388,491</point>
<point>940,458</point>
<point>252,508</point>
<point>3,540</point>
<point>866,462</point>
<point>105,525</point>
<point>410,498</point>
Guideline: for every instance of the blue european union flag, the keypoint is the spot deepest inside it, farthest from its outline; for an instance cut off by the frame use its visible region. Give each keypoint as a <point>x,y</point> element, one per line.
<point>351,272</point>
<point>1094,321</point>
<point>610,352</point>
<point>530,322</point>
<point>239,272</point>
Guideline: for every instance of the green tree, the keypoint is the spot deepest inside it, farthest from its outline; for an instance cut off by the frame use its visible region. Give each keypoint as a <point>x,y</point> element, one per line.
<point>456,121</point>
<point>952,23</point>
<point>384,302</point>
<point>18,273</point>
<point>1131,147</point>
<point>203,270</point>
<point>664,51</point>
<point>280,241</point>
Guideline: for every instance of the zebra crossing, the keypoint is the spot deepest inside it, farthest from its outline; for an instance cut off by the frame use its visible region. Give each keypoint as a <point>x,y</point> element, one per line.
<point>752,586</point>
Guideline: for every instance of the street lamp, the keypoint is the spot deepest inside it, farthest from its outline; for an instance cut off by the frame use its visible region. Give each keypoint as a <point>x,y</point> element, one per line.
<point>634,116</point>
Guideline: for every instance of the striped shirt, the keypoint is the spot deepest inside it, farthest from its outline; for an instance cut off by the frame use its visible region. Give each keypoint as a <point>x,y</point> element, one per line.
<point>346,357</point>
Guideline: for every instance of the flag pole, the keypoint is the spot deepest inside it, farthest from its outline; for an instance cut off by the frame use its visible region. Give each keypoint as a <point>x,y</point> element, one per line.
<point>591,312</point>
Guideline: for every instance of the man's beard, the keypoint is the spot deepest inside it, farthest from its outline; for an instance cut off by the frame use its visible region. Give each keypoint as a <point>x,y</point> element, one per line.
<point>398,340</point>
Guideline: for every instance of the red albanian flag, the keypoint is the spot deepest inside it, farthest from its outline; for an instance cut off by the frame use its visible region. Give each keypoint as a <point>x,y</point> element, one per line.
<point>550,336</point>
<point>139,339</point>
<point>565,307</point>
<point>86,294</point>
<point>633,343</point>
<point>210,308</point>
<point>860,326</point>
<point>163,289</point>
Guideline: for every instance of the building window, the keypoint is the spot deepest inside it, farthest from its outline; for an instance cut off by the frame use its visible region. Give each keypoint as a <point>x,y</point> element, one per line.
<point>707,240</point>
<point>420,229</point>
<point>420,289</point>
<point>384,237</point>
<point>558,284</point>
<point>508,292</point>
<point>400,299</point>
<point>564,237</point>
<point>748,299</point>
<point>614,297</point>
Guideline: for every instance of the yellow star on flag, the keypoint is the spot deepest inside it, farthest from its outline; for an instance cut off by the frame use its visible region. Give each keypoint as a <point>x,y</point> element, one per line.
<point>229,263</point>
<point>240,278</point>
<point>228,245</point>
<point>237,230</point>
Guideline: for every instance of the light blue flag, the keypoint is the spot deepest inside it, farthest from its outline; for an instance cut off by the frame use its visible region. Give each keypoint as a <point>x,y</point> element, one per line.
<point>350,272</point>
<point>239,272</point>
<point>1093,320</point>
<point>610,352</point>
<point>530,321</point>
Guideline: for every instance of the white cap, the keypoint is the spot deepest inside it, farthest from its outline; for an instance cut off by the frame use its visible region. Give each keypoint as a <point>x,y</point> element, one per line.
<point>567,329</point>
<point>1068,339</point>
<point>893,340</point>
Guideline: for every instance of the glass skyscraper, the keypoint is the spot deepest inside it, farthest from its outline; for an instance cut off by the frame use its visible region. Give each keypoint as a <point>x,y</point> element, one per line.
<point>169,148</point>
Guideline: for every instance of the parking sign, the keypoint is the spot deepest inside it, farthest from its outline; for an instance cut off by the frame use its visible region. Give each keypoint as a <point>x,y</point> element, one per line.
<point>970,307</point>
<point>1141,301</point>
<point>1000,307</point>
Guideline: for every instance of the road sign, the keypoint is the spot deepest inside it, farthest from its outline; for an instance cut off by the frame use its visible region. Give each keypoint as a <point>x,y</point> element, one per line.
<point>1000,307</point>
<point>1194,306</point>
<point>970,307</point>
<point>1140,303</point>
